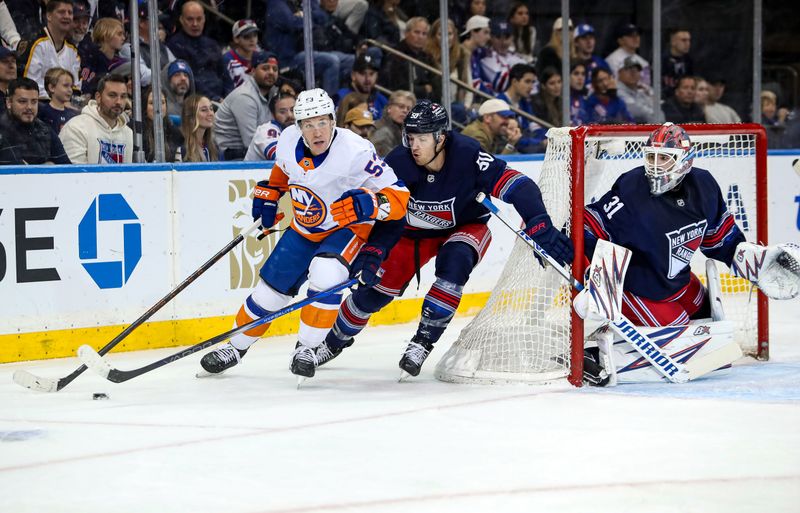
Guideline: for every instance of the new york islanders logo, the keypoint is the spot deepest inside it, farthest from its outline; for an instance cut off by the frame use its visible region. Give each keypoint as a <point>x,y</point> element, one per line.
<point>111,153</point>
<point>309,210</point>
<point>431,215</point>
<point>683,242</point>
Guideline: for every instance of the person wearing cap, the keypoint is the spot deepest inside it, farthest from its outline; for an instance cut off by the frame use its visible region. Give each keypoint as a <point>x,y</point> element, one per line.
<point>398,73</point>
<point>201,52</point>
<point>585,43</point>
<point>498,61</point>
<point>715,111</point>
<point>676,62</point>
<point>476,37</point>
<point>638,97</point>
<point>246,107</point>
<point>359,121</point>
<point>388,132</point>
<point>628,39</point>
<point>52,48</point>
<point>362,82</point>
<point>166,57</point>
<point>108,36</point>
<point>8,72</point>
<point>177,82</point>
<point>491,127</point>
<point>81,20</point>
<point>603,105</point>
<point>551,54</point>
<point>523,38</point>
<point>680,107</point>
<point>237,59</point>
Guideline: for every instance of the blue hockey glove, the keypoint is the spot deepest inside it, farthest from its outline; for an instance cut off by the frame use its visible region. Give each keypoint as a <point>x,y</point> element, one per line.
<point>265,203</point>
<point>367,265</point>
<point>354,206</point>
<point>557,245</point>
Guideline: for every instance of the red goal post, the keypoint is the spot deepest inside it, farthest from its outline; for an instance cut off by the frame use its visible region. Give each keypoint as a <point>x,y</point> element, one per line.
<point>527,332</point>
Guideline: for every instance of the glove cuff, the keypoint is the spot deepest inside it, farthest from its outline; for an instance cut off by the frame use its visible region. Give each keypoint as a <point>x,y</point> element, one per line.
<point>537,224</point>
<point>371,249</point>
<point>266,193</point>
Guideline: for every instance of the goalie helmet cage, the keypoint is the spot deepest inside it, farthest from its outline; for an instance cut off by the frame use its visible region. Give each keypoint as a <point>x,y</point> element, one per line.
<point>527,331</point>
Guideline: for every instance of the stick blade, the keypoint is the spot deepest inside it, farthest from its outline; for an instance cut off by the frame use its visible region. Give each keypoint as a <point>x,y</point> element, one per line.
<point>94,361</point>
<point>26,379</point>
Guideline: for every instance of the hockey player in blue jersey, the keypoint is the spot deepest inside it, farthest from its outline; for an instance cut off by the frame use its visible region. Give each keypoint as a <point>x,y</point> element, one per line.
<point>444,171</point>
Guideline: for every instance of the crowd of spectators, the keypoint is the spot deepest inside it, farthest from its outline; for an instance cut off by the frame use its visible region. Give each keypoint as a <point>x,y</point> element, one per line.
<point>227,90</point>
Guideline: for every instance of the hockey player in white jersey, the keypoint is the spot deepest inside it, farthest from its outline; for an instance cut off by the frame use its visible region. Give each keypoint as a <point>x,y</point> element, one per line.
<point>324,169</point>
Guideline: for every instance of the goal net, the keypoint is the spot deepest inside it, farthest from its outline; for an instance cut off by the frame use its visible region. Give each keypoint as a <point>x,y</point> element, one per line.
<point>527,331</point>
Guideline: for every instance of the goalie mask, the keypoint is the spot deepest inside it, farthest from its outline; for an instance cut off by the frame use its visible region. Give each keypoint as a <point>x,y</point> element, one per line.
<point>668,157</point>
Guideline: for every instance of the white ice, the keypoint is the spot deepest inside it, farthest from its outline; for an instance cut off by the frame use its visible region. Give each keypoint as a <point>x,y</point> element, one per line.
<point>353,439</point>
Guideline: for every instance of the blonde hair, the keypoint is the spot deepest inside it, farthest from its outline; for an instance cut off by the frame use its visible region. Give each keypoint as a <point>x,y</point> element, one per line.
<point>189,126</point>
<point>104,30</point>
<point>401,94</point>
<point>53,75</point>
<point>434,46</point>
<point>555,42</point>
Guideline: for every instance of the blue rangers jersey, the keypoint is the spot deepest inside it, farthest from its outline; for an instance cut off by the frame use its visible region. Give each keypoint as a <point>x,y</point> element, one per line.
<point>663,232</point>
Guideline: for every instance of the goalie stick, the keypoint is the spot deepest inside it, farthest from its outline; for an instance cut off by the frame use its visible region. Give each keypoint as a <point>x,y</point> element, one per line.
<point>666,366</point>
<point>100,365</point>
<point>40,384</point>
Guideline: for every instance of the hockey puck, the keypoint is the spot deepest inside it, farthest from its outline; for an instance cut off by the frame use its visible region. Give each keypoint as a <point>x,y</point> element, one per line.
<point>99,395</point>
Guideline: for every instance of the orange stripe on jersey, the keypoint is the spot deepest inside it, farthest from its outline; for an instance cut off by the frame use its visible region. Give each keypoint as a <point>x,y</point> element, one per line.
<point>315,317</point>
<point>361,231</point>
<point>243,318</point>
<point>306,163</point>
<point>351,250</point>
<point>398,199</point>
<point>279,179</point>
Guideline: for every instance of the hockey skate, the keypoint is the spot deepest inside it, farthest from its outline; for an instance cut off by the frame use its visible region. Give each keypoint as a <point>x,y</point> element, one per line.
<point>304,362</point>
<point>415,355</point>
<point>221,359</point>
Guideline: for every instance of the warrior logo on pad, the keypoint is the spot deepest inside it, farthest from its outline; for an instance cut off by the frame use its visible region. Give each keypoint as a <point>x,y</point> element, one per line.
<point>309,210</point>
<point>432,215</point>
<point>683,242</point>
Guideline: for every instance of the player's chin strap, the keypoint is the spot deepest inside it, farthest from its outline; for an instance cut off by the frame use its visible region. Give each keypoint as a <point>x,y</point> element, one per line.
<point>773,269</point>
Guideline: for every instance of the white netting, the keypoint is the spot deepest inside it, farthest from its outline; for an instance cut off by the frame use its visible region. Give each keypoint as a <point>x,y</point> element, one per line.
<point>523,332</point>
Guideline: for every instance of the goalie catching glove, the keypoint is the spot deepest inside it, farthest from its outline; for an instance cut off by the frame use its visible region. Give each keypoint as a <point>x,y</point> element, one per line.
<point>358,205</point>
<point>555,243</point>
<point>773,269</point>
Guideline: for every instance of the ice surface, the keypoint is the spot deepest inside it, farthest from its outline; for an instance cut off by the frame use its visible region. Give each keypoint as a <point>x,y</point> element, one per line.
<point>353,439</point>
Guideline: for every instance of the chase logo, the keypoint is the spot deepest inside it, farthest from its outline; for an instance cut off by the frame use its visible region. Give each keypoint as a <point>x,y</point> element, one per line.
<point>108,273</point>
<point>309,210</point>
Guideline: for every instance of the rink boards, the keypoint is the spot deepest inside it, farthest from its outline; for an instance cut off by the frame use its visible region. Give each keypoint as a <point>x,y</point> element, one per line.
<point>84,251</point>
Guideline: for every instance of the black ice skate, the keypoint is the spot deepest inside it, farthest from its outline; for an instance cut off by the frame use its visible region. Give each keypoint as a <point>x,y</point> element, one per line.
<point>415,355</point>
<point>222,358</point>
<point>304,361</point>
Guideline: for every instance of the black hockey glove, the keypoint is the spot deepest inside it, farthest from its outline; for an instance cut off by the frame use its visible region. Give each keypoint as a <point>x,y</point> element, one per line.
<point>265,204</point>
<point>557,245</point>
<point>367,265</point>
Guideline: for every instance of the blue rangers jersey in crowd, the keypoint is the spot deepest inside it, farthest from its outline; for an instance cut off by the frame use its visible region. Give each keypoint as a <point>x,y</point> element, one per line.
<point>663,232</point>
<point>444,200</point>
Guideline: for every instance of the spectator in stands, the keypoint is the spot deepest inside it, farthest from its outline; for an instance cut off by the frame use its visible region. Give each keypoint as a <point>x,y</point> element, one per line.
<point>676,62</point>
<point>578,114</point>
<point>681,108</point>
<point>108,36</point>
<point>173,139</point>
<point>336,43</point>
<point>246,107</point>
<point>384,22</point>
<point>771,115</point>
<point>8,30</point>
<point>498,61</point>
<point>477,35</point>
<point>523,34</point>
<point>197,127</point>
<point>547,102</point>
<point>715,111</point>
<point>492,125</point>
<point>459,61</point>
<point>291,81</point>
<point>638,97</point>
<point>29,17</point>
<point>81,21</point>
<point>201,52</point>
<point>552,53</point>
<point>522,78</point>
<point>359,121</point>
<point>629,40</point>
<point>58,111</point>
<point>25,139</point>
<point>52,49</point>
<point>99,134</point>
<point>363,79</point>
<point>399,73</point>
<point>8,72</point>
<point>265,140</point>
<point>603,105</point>
<point>351,12</point>
<point>388,132</point>
<point>476,8</point>
<point>237,59</point>
<point>585,43</point>
<point>166,57</point>
<point>177,82</point>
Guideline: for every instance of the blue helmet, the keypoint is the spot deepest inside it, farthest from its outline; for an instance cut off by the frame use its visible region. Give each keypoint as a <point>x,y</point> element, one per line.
<point>668,157</point>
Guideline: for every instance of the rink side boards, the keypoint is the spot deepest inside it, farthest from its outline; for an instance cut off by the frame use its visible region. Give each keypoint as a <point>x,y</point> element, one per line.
<point>86,250</point>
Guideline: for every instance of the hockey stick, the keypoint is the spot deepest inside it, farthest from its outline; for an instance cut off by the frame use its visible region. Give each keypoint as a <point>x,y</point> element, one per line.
<point>40,384</point>
<point>100,365</point>
<point>660,361</point>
